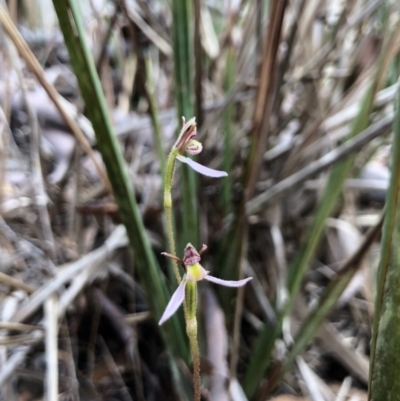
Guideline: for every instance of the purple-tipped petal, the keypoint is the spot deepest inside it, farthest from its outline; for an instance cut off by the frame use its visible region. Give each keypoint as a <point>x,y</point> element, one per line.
<point>228,283</point>
<point>202,169</point>
<point>175,302</point>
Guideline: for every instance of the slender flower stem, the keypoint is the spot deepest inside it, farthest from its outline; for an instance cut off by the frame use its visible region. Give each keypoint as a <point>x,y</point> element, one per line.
<point>191,329</point>
<point>182,143</point>
<point>169,176</point>
<point>196,362</point>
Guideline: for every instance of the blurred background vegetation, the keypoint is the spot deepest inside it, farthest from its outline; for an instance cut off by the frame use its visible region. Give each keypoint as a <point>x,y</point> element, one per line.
<point>297,100</point>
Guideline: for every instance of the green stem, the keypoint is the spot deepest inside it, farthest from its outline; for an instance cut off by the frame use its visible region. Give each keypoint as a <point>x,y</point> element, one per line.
<point>384,366</point>
<point>227,153</point>
<point>191,329</point>
<point>196,363</point>
<point>169,176</point>
<point>176,150</point>
<point>153,110</point>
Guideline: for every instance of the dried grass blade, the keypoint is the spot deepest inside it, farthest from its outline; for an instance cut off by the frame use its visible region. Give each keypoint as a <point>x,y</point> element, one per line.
<point>264,95</point>
<point>51,319</point>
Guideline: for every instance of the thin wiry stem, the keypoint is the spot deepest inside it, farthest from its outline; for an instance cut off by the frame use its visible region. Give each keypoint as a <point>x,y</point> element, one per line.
<point>179,146</point>
<point>196,365</point>
<point>191,329</point>
<point>169,176</point>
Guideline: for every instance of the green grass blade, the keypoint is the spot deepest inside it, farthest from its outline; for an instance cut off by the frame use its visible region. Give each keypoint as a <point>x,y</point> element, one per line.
<point>150,276</point>
<point>183,71</point>
<point>160,151</point>
<point>153,111</point>
<point>227,152</point>
<point>384,381</point>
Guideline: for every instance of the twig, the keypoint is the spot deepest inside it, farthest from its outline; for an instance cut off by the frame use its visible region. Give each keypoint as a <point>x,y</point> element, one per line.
<point>51,319</point>
<point>13,282</point>
<point>18,326</point>
<point>263,104</point>
<point>134,318</point>
<point>17,339</point>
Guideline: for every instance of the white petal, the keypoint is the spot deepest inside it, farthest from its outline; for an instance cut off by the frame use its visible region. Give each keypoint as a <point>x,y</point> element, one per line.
<point>175,302</point>
<point>201,169</point>
<point>228,283</point>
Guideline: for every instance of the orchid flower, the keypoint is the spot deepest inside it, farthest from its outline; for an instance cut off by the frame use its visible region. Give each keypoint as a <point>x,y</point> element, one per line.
<point>193,272</point>
<point>187,143</point>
